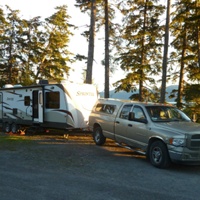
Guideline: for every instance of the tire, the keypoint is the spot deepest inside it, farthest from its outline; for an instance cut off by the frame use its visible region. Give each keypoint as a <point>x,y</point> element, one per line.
<point>14,128</point>
<point>7,128</point>
<point>158,155</point>
<point>98,136</point>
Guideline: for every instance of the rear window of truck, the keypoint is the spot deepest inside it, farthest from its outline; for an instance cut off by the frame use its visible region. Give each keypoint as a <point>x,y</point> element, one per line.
<point>105,108</point>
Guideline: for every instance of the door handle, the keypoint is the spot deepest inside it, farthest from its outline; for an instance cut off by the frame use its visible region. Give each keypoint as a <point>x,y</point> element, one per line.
<point>117,122</point>
<point>130,125</point>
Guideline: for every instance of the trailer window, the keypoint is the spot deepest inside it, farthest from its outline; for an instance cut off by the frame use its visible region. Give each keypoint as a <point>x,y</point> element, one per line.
<point>27,101</point>
<point>52,100</point>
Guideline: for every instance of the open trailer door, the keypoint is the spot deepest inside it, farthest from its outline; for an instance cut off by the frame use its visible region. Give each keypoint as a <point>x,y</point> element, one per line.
<point>38,106</point>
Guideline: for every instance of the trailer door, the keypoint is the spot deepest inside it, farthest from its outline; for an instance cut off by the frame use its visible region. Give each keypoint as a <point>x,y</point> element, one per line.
<point>37,106</point>
<point>1,107</point>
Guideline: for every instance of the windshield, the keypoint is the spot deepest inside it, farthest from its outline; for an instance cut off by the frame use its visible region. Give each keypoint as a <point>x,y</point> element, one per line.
<point>165,113</point>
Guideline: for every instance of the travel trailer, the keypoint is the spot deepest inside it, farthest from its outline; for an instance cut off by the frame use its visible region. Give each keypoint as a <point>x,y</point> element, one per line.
<point>62,106</point>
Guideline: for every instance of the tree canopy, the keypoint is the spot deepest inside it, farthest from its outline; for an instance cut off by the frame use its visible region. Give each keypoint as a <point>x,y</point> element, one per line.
<point>34,49</point>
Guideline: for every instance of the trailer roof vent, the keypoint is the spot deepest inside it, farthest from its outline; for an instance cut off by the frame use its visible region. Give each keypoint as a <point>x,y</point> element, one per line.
<point>8,86</point>
<point>43,82</point>
<point>17,85</point>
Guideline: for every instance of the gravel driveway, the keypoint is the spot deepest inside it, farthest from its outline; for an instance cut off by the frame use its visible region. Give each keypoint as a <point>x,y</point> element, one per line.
<point>53,167</point>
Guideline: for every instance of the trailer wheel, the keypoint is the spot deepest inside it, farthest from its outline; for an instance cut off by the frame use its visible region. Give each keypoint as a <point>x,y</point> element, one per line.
<point>98,136</point>
<point>14,128</point>
<point>158,155</point>
<point>7,127</point>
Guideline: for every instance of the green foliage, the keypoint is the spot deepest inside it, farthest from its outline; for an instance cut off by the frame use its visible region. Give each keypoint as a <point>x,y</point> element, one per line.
<point>192,93</point>
<point>192,99</point>
<point>185,31</point>
<point>139,51</point>
<point>34,49</point>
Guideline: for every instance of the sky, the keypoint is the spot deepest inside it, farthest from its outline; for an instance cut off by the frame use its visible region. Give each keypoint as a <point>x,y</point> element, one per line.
<point>78,44</point>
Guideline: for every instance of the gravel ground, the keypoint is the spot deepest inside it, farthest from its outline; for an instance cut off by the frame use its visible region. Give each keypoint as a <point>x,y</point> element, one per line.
<point>55,167</point>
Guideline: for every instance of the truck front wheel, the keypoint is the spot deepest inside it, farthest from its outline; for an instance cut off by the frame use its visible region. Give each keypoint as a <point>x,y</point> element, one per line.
<point>98,136</point>
<point>158,155</point>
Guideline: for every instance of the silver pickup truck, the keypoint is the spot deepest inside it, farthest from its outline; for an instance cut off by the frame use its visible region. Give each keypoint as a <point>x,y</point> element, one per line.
<point>161,132</point>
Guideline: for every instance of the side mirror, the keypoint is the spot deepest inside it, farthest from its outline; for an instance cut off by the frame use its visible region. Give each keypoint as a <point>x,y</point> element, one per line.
<point>131,116</point>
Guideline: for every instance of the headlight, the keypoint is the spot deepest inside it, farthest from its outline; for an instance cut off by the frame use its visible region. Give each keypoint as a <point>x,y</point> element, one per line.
<point>177,141</point>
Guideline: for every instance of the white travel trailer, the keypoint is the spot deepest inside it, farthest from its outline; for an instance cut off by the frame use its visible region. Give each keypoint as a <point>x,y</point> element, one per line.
<point>63,106</point>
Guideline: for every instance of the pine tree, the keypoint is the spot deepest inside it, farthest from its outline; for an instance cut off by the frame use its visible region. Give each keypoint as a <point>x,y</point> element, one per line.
<point>184,43</point>
<point>55,54</point>
<point>107,66</point>
<point>91,42</point>
<point>10,45</point>
<point>85,6</point>
<point>140,49</point>
<point>165,54</point>
<point>32,45</point>
<point>3,67</point>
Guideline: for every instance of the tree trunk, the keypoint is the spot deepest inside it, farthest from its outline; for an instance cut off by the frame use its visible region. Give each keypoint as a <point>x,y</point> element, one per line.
<point>91,43</point>
<point>107,70</point>
<point>181,79</point>
<point>141,87</point>
<point>181,82</point>
<point>165,54</point>
<point>198,30</point>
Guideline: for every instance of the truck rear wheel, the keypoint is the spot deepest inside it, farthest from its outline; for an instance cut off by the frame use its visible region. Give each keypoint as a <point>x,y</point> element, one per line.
<point>98,136</point>
<point>158,155</point>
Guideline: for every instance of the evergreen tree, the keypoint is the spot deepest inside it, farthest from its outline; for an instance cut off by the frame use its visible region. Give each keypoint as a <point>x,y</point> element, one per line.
<point>194,41</point>
<point>101,15</point>
<point>10,45</point>
<point>55,56</point>
<point>37,49</point>
<point>91,42</point>
<point>140,49</point>
<point>85,6</point>
<point>32,44</point>
<point>106,17</point>
<point>165,54</point>
<point>184,43</point>
<point>3,68</point>
<point>107,64</point>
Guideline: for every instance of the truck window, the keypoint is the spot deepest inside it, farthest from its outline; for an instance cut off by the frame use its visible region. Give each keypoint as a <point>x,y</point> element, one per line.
<point>138,113</point>
<point>109,109</point>
<point>52,100</point>
<point>99,107</point>
<point>125,111</point>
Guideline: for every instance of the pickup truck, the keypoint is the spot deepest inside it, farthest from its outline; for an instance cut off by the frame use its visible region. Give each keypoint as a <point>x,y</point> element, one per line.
<point>160,131</point>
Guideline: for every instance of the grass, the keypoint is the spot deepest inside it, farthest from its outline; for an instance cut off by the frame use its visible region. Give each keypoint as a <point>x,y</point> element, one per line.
<point>12,142</point>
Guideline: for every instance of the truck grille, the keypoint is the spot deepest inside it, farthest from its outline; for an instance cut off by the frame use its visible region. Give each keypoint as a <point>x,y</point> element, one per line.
<point>195,141</point>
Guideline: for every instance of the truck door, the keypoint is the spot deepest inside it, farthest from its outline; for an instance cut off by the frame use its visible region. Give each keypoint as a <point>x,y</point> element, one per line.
<point>137,131</point>
<point>37,106</point>
<point>132,133</point>
<point>121,124</point>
